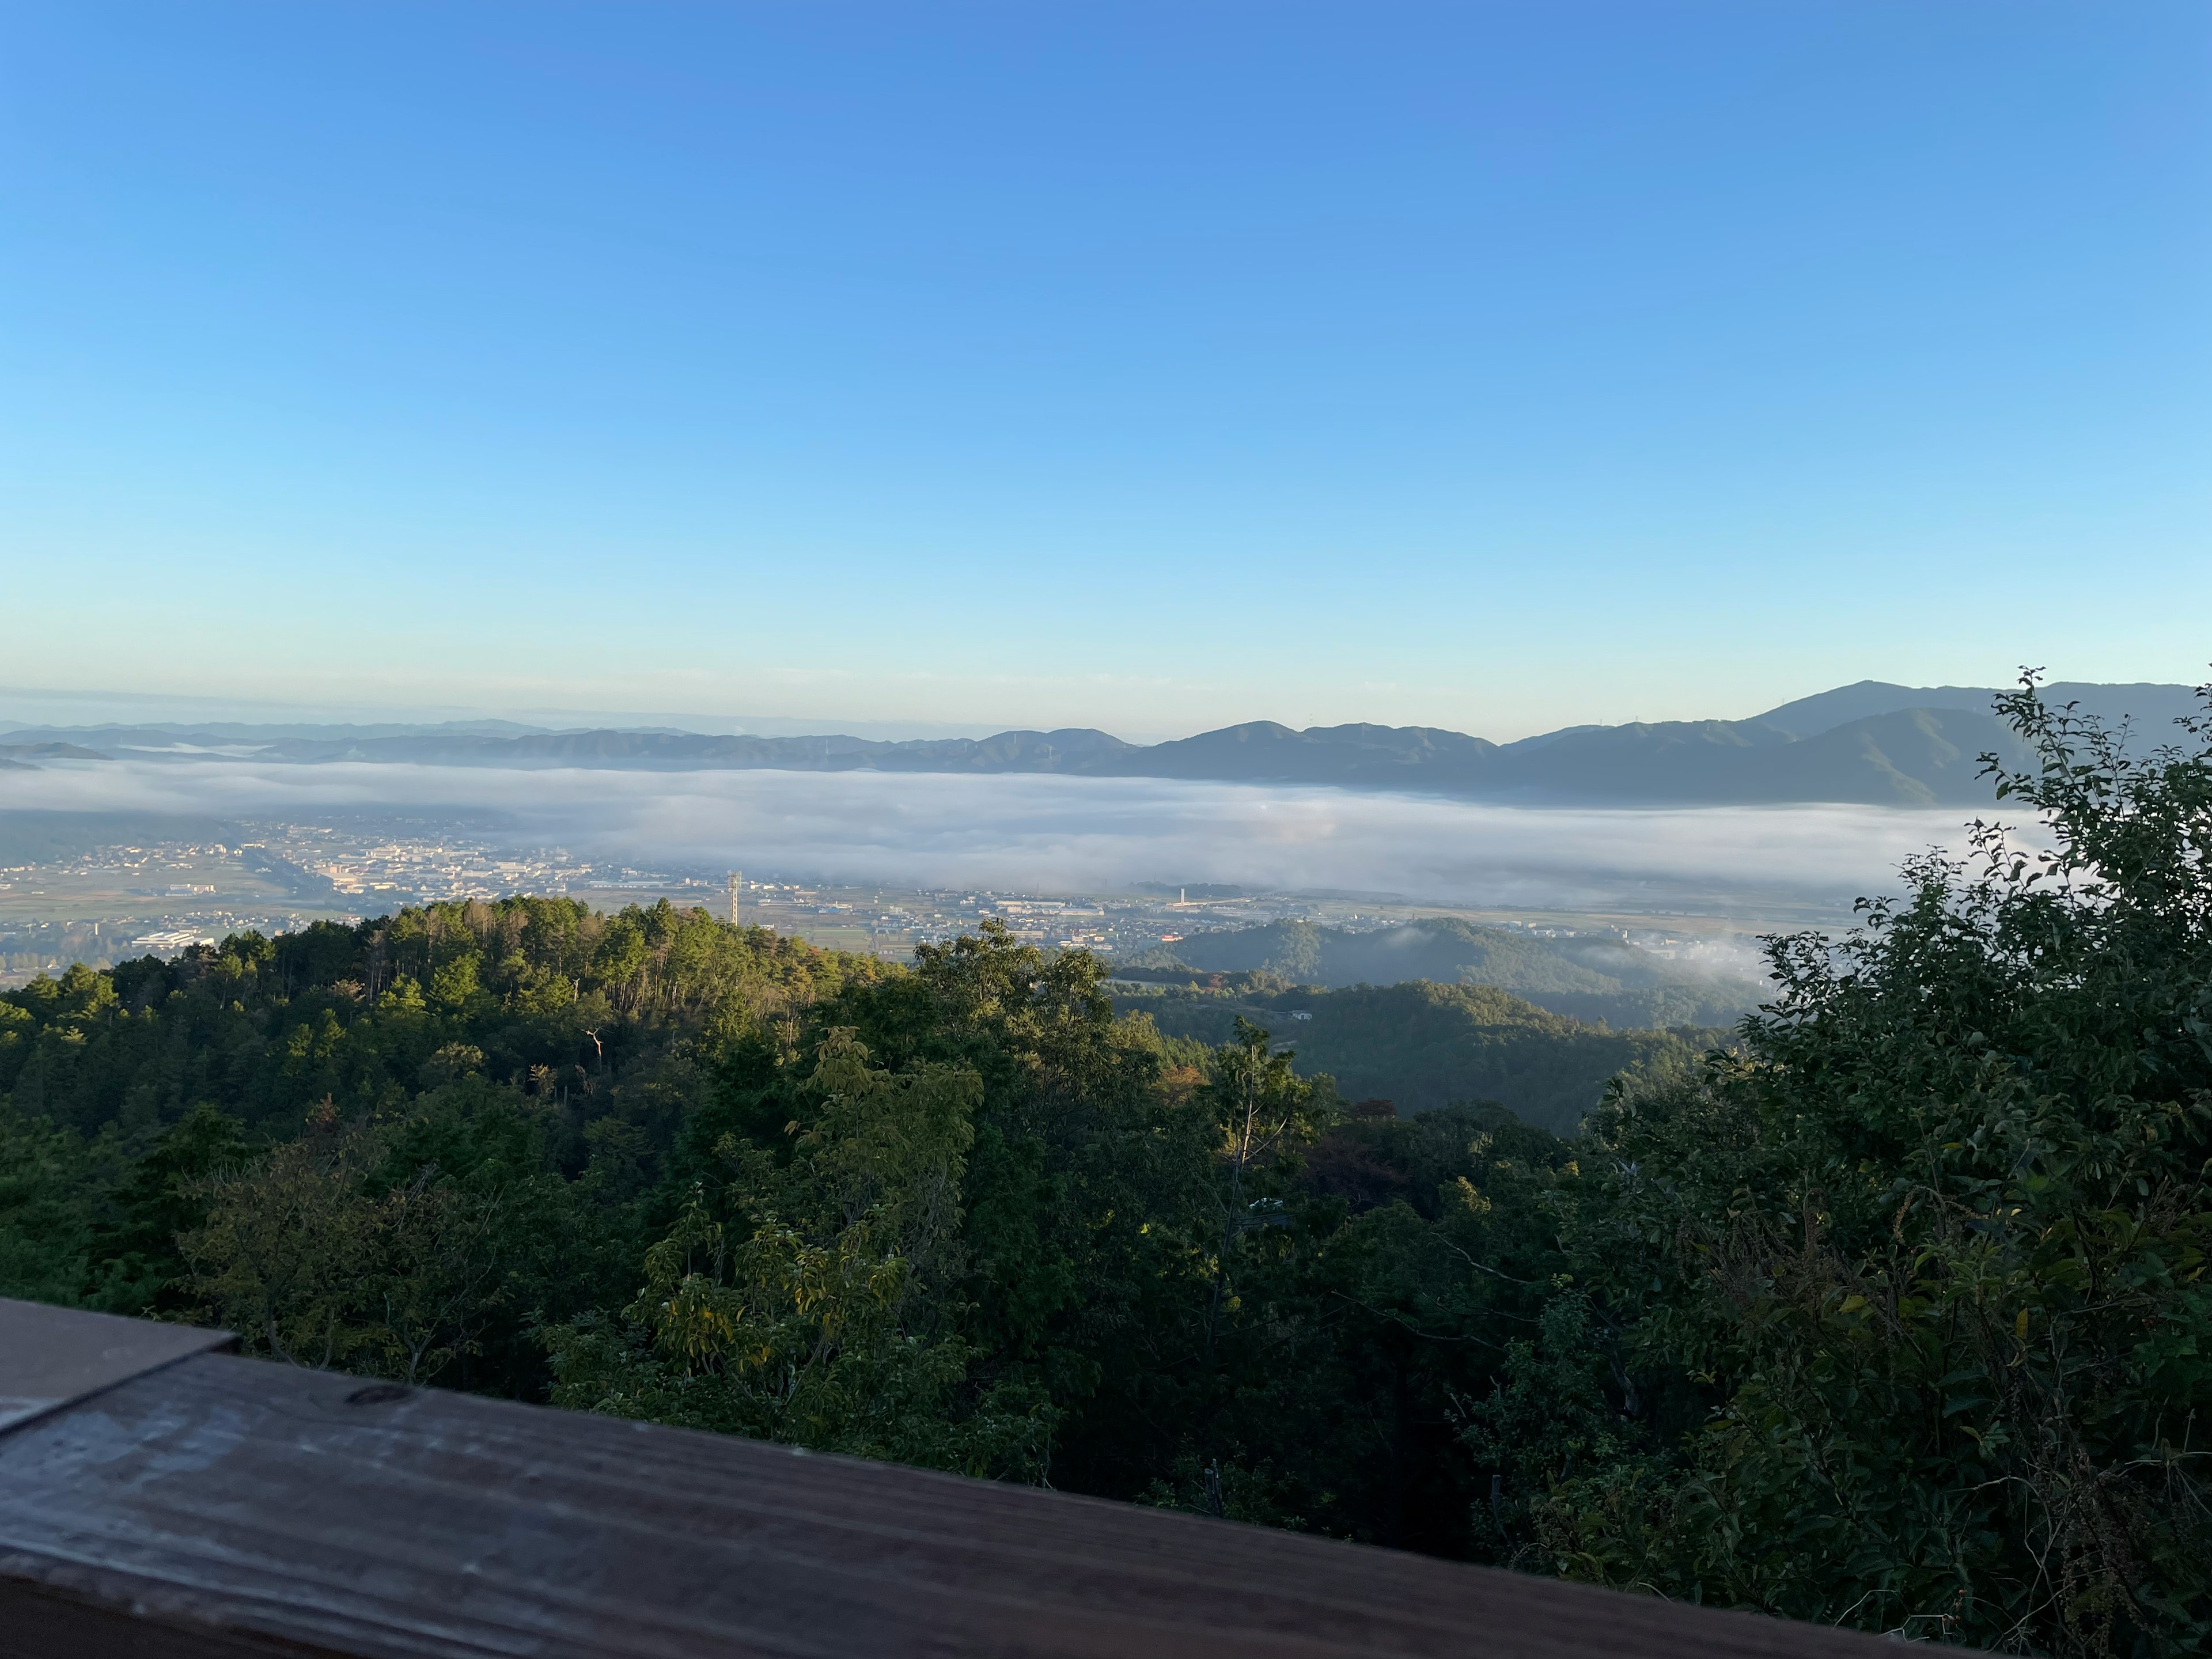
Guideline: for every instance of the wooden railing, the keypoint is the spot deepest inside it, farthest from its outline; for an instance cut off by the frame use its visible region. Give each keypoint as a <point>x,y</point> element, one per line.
<point>162,1499</point>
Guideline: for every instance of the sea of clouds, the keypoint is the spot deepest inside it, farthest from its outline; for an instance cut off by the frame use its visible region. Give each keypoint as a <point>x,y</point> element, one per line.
<point>1059,834</point>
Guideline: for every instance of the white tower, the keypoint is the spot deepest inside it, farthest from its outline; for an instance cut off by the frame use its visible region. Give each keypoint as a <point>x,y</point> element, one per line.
<point>737,902</point>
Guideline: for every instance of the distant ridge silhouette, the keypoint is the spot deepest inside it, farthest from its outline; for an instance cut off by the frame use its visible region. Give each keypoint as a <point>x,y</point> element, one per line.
<point>1870,744</point>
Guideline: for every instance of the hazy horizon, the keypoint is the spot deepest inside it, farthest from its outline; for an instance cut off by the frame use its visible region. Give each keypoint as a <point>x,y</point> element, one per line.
<point>1048,833</point>
<point>33,706</point>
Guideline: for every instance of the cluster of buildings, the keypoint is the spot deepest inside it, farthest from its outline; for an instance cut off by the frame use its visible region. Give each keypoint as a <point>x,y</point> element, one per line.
<point>127,901</point>
<point>401,869</point>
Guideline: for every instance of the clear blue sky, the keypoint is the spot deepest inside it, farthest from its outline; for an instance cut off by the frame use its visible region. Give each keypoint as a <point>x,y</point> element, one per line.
<point>1143,366</point>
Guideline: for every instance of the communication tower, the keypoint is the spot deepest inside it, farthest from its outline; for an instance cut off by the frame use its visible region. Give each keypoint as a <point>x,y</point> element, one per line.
<point>737,900</point>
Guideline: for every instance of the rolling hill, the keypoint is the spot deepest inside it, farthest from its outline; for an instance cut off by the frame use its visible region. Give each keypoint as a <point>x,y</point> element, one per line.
<point>1422,1046</point>
<point>1870,744</point>
<point>1594,980</point>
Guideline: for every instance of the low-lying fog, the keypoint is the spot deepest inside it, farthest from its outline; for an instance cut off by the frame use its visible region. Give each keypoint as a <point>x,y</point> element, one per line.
<point>1059,834</point>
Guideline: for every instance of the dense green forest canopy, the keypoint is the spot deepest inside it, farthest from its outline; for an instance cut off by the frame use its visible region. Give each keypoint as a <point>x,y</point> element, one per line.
<point>1893,1315</point>
<point>1421,1045</point>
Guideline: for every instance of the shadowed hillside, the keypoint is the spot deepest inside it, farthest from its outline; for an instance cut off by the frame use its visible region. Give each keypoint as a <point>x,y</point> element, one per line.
<point>1591,979</point>
<point>1423,1046</point>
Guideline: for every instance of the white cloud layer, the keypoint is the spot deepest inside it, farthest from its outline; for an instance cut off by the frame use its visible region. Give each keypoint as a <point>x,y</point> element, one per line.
<point>1059,834</point>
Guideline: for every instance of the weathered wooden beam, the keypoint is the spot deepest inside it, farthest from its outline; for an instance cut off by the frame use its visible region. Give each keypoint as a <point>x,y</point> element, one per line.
<point>51,1357</point>
<point>220,1507</point>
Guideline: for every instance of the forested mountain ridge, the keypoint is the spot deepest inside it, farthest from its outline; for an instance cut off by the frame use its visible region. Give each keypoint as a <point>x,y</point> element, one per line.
<point>1589,979</point>
<point>976,1220</point>
<point>2153,707</point>
<point>1424,1046</point>
<point>1915,758</point>
<point>1870,744</point>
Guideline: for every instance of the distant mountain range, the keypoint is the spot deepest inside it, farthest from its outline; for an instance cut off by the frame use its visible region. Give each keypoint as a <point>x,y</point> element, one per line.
<point>1871,743</point>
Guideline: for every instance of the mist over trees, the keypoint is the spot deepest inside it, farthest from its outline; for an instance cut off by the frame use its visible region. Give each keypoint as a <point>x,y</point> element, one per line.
<point>1891,1313</point>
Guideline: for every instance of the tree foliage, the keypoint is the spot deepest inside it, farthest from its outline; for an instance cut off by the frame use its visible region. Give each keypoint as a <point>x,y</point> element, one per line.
<point>1894,1314</point>
<point>1935,1246</point>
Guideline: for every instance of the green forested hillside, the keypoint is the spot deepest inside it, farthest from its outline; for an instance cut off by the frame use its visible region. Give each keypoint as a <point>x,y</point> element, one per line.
<point>539,1057</point>
<point>1893,1317</point>
<point>1420,1045</point>
<point>958,1215</point>
<point>1589,979</point>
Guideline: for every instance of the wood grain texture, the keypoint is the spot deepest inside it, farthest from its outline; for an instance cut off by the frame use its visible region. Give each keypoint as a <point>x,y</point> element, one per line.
<point>50,1356</point>
<point>277,1510</point>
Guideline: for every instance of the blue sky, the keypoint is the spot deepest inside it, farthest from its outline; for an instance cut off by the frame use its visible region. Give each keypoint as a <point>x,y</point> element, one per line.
<point>1148,367</point>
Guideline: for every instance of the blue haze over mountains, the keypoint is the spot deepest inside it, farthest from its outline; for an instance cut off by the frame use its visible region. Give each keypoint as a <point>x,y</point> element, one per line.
<point>1595,977</point>
<point>1870,744</point>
